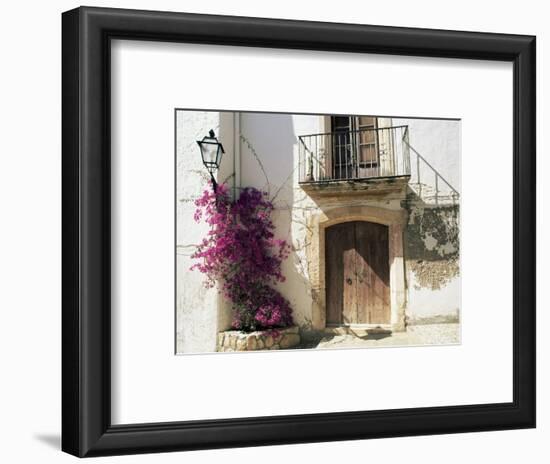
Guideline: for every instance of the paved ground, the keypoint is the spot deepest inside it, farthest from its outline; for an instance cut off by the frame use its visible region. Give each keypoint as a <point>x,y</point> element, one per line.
<point>432,334</point>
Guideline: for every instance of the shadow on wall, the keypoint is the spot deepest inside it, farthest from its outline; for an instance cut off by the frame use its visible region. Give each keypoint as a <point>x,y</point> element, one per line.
<point>268,143</point>
<point>428,183</point>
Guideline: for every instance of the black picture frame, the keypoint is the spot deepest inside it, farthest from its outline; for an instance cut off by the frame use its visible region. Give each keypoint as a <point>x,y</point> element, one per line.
<point>86,378</point>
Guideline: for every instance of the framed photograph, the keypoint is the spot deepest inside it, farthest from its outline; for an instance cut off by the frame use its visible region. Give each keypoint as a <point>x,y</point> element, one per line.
<point>369,247</point>
<point>284,231</point>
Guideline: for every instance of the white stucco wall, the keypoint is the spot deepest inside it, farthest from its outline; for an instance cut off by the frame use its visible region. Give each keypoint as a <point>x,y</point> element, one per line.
<point>197,315</point>
<point>274,139</point>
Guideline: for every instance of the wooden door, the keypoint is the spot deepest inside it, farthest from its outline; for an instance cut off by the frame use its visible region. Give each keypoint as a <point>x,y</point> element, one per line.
<point>357,274</point>
<point>355,152</point>
<point>342,148</point>
<point>367,147</point>
<point>373,273</point>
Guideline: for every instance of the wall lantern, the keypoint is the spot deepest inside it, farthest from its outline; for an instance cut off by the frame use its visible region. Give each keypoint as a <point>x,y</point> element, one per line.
<point>211,153</point>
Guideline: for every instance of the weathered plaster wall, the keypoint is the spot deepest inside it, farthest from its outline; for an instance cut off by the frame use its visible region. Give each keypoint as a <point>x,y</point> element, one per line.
<point>432,262</point>
<point>432,236</point>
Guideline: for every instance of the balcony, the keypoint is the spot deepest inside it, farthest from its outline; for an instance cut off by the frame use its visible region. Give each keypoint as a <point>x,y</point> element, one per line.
<point>375,160</point>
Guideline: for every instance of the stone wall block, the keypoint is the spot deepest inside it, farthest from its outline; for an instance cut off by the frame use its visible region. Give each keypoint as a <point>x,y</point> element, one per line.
<point>290,340</point>
<point>251,343</point>
<point>232,340</point>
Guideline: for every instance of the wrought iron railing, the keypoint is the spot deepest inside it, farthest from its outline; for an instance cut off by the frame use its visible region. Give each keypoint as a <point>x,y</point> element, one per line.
<point>354,155</point>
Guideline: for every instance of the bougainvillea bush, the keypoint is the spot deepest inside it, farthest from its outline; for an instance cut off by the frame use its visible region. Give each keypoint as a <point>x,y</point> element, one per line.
<point>242,255</point>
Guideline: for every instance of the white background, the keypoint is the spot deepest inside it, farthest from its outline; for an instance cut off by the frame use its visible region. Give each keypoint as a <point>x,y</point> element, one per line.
<point>150,384</point>
<point>30,234</point>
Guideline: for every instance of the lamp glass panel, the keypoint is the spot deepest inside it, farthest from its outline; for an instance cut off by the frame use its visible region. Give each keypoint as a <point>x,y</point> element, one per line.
<point>209,152</point>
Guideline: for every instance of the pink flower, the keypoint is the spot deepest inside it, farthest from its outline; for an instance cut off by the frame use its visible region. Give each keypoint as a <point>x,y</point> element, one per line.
<point>241,254</point>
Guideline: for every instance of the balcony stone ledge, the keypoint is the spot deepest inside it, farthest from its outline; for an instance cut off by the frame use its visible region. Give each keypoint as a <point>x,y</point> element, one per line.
<point>376,186</point>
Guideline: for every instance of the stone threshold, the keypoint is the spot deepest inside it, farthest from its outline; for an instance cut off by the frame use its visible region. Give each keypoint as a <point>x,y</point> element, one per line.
<point>452,318</point>
<point>359,329</point>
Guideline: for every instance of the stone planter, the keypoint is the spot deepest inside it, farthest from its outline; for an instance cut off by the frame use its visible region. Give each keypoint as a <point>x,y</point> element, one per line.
<point>276,339</point>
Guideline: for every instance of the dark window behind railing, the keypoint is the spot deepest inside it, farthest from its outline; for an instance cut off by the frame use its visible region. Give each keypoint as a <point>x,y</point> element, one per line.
<point>354,154</point>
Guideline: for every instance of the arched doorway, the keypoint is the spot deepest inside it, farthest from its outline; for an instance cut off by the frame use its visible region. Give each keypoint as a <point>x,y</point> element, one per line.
<point>357,274</point>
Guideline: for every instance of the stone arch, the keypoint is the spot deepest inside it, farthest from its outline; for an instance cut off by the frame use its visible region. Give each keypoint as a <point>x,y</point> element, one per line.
<point>318,223</point>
